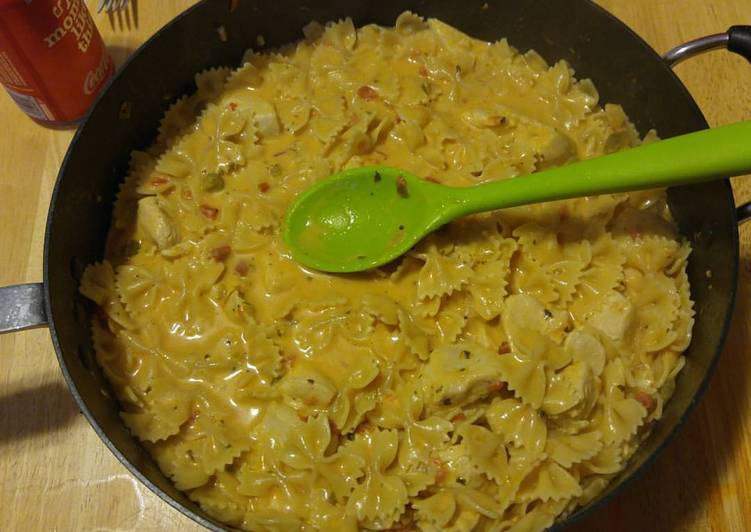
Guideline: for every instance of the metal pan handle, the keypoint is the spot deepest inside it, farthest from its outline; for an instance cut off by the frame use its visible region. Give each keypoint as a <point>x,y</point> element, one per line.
<point>738,40</point>
<point>22,307</point>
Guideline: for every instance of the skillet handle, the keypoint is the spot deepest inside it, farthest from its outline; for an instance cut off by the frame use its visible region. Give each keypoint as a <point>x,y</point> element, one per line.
<point>22,307</point>
<point>738,40</point>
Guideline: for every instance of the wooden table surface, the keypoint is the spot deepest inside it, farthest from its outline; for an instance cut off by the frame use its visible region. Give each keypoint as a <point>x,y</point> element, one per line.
<point>55,473</point>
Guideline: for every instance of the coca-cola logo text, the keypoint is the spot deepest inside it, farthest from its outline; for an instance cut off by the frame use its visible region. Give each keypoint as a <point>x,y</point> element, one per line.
<point>96,76</point>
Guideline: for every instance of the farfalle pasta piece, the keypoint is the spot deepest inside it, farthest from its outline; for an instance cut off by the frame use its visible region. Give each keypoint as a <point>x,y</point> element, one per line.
<point>174,163</point>
<point>354,401</point>
<point>488,287</point>
<point>525,377</point>
<point>549,481</point>
<point>565,276</point>
<point>521,464</point>
<point>305,388</point>
<point>651,254</point>
<point>420,437</point>
<point>486,450</point>
<point>137,287</point>
<point>436,510</point>
<point>271,521</point>
<point>573,387</point>
<point>540,517</point>
<point>568,450</point>
<point>307,448</point>
<point>165,409</point>
<point>414,336</point>
<point>220,496</point>
<point>441,274</point>
<point>476,501</point>
<point>607,461</point>
<point>656,300</point>
<point>621,417</point>
<point>518,424</point>
<point>381,497</point>
<point>98,282</point>
<point>452,317</point>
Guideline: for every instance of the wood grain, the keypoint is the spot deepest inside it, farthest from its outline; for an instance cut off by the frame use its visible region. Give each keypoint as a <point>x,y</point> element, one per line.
<point>55,474</point>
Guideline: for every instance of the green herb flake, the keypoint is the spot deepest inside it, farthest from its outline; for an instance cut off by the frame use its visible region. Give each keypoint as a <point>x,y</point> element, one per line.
<point>212,182</point>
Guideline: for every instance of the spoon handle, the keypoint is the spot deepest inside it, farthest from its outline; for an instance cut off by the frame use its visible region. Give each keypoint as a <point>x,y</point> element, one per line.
<point>702,156</point>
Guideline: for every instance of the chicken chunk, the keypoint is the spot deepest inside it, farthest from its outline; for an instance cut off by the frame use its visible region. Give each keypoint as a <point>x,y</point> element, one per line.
<point>156,223</point>
<point>460,373</point>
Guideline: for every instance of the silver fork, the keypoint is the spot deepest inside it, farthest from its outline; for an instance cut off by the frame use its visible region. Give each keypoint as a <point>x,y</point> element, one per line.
<point>122,14</point>
<point>111,5</point>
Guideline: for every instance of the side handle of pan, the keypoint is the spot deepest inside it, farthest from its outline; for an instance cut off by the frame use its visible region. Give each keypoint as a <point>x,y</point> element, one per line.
<point>738,40</point>
<point>22,307</point>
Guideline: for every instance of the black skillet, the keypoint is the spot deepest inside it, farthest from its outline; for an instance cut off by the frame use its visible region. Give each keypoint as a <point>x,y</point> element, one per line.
<point>624,68</point>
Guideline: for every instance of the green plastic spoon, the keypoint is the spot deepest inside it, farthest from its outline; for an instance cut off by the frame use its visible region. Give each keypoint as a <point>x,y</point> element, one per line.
<point>365,217</point>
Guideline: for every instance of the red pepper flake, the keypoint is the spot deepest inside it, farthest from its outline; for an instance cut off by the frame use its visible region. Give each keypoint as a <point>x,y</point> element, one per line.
<point>159,180</point>
<point>289,360</point>
<point>192,417</point>
<point>364,427</point>
<point>332,426</point>
<point>423,71</point>
<point>367,93</point>
<point>504,348</point>
<point>442,470</point>
<point>563,213</point>
<point>232,106</point>
<point>187,194</point>
<point>401,186</point>
<point>221,253</point>
<point>498,387</point>
<point>399,119</point>
<point>405,524</point>
<point>263,187</point>
<point>209,212</point>
<point>432,179</point>
<point>646,400</point>
<point>458,417</point>
<point>241,268</point>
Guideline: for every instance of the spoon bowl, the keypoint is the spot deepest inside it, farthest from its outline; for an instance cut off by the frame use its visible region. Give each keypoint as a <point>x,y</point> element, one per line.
<point>327,228</point>
<point>364,217</point>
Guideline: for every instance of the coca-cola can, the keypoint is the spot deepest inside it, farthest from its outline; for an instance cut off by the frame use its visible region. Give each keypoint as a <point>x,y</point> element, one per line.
<point>52,59</point>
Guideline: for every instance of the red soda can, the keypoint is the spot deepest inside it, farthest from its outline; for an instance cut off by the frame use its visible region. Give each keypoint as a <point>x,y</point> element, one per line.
<point>52,59</point>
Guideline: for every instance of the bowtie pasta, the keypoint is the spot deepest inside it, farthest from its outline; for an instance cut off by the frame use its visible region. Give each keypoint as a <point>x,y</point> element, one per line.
<point>494,378</point>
